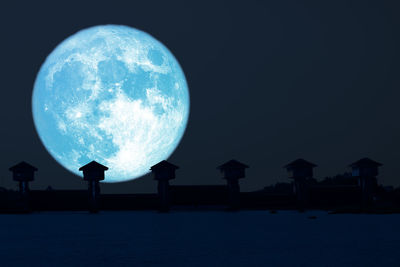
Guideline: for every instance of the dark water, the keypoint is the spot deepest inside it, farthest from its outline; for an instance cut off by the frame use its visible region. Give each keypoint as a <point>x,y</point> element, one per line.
<point>248,238</point>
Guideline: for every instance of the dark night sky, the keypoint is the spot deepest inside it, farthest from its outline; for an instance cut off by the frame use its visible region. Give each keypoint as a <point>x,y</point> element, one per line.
<point>269,82</point>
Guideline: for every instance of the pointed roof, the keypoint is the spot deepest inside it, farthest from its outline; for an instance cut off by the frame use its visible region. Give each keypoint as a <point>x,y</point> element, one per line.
<point>164,164</point>
<point>365,162</point>
<point>232,164</point>
<point>300,163</point>
<point>23,166</point>
<point>93,165</point>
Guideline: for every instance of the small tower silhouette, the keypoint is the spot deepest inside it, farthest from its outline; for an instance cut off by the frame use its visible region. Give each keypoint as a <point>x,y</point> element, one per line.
<point>366,171</point>
<point>232,171</point>
<point>23,173</point>
<point>163,172</point>
<point>300,171</point>
<point>93,172</point>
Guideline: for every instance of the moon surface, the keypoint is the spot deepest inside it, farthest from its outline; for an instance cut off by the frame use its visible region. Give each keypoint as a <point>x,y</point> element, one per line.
<point>113,94</point>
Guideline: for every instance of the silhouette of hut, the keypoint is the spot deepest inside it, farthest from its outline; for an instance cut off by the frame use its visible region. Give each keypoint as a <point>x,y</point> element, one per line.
<point>366,171</point>
<point>23,173</point>
<point>93,172</point>
<point>163,172</point>
<point>232,171</point>
<point>301,171</point>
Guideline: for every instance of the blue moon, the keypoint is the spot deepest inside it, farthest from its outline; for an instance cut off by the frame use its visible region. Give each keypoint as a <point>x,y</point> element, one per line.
<point>113,94</point>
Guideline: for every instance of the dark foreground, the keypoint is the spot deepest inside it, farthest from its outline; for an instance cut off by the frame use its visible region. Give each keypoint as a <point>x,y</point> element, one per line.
<point>245,238</point>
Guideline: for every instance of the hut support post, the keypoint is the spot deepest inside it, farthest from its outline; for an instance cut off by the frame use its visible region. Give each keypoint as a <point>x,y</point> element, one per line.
<point>233,194</point>
<point>94,192</point>
<point>164,195</point>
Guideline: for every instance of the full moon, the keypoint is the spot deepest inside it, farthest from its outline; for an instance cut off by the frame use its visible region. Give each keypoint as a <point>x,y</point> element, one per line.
<point>113,94</point>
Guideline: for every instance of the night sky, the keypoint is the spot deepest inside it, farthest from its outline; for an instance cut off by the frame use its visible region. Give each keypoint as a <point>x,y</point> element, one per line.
<point>269,82</point>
